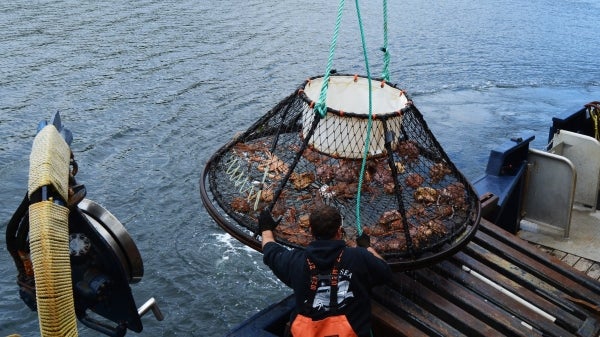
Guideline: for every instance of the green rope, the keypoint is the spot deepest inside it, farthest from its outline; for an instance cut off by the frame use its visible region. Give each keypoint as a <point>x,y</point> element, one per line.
<point>369,123</point>
<point>386,53</point>
<point>321,106</point>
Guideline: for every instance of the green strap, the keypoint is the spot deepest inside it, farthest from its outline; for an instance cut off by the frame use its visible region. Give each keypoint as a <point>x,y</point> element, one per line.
<point>321,106</point>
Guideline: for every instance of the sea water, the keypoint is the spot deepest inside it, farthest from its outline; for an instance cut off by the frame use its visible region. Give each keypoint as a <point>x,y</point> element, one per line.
<point>151,89</point>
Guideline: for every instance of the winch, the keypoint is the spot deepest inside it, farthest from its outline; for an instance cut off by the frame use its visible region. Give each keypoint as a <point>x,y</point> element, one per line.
<point>74,258</point>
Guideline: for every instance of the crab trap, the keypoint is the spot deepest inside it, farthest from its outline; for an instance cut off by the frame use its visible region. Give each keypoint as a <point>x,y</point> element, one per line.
<point>378,163</point>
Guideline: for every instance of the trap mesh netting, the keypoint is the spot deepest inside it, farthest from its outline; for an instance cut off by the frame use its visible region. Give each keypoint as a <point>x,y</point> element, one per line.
<point>413,202</point>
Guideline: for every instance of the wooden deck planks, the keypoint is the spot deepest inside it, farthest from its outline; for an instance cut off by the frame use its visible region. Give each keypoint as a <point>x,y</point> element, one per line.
<point>473,292</point>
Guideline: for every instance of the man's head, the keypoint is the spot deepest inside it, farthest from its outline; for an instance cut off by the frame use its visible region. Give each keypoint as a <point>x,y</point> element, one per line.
<point>325,222</point>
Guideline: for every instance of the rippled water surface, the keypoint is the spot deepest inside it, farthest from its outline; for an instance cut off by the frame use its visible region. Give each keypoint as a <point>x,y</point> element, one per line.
<point>151,89</point>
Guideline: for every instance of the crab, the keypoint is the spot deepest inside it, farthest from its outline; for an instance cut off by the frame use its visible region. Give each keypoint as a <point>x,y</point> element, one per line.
<point>266,195</point>
<point>416,211</point>
<point>426,195</point>
<point>313,156</point>
<point>273,164</point>
<point>389,188</point>
<point>388,223</point>
<point>325,173</point>
<point>445,211</point>
<point>250,147</point>
<point>438,171</point>
<point>453,194</point>
<point>344,190</point>
<point>380,171</point>
<point>290,215</point>
<point>389,216</point>
<point>390,244</point>
<point>302,180</point>
<point>431,228</point>
<point>347,171</point>
<point>375,231</point>
<point>408,149</point>
<point>414,180</point>
<point>293,234</point>
<point>304,220</point>
<point>241,205</point>
<point>301,239</point>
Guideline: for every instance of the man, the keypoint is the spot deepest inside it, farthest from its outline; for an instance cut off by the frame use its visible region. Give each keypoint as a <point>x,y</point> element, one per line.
<point>331,282</point>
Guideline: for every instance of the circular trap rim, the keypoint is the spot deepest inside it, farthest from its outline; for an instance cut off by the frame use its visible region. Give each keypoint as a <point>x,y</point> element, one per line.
<point>246,237</point>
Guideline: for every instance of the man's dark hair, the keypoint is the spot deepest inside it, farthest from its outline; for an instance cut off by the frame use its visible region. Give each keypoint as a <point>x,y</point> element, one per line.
<point>324,222</point>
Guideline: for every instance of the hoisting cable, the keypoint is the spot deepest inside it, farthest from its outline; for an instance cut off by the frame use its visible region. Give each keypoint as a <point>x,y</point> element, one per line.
<point>321,105</point>
<point>386,53</point>
<point>369,123</point>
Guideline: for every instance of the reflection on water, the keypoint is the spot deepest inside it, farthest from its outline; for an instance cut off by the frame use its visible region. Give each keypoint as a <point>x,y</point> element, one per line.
<point>152,88</point>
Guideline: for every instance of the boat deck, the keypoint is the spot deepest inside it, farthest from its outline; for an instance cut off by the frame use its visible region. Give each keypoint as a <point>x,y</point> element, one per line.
<point>582,247</point>
<point>498,285</point>
<point>590,267</point>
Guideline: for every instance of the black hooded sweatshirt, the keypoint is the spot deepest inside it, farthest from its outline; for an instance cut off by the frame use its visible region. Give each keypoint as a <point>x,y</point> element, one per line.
<point>359,272</point>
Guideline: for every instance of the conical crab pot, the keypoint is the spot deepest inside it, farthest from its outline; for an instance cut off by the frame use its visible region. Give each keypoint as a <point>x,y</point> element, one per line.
<point>414,203</point>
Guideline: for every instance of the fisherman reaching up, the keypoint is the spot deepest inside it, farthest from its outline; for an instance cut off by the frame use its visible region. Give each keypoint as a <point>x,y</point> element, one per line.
<point>331,281</point>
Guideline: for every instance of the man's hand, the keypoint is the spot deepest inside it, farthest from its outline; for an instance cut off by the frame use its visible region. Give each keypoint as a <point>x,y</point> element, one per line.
<point>266,221</point>
<point>363,241</point>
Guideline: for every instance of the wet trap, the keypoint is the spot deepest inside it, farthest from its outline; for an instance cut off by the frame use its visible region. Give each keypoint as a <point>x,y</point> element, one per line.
<point>381,167</point>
